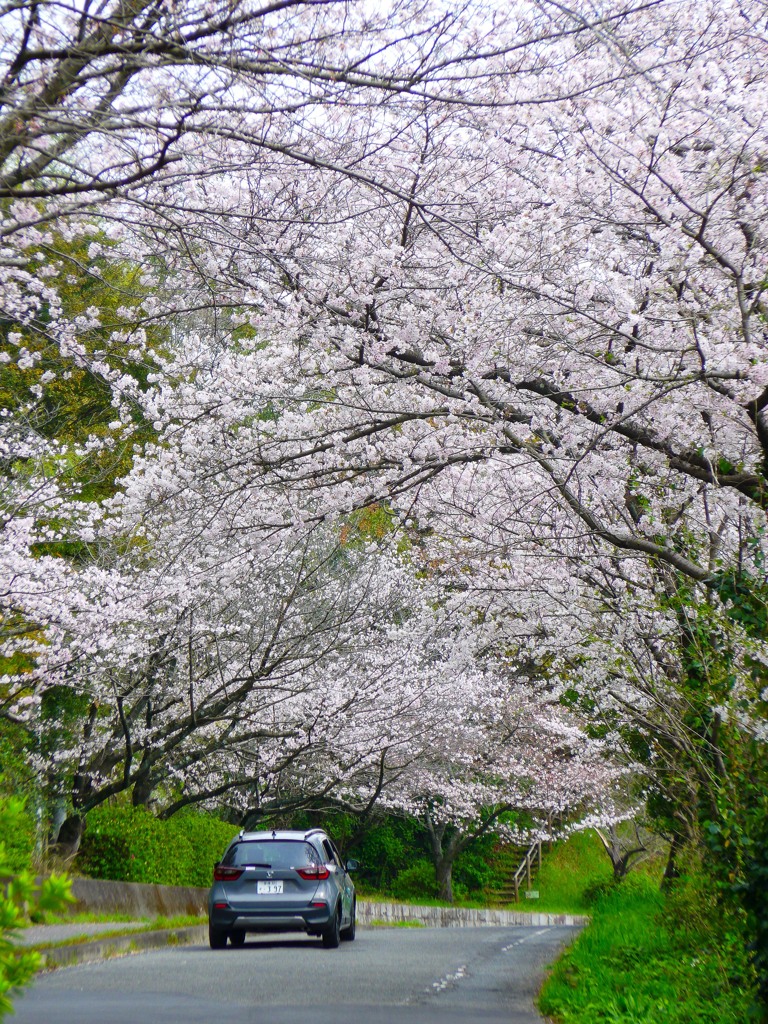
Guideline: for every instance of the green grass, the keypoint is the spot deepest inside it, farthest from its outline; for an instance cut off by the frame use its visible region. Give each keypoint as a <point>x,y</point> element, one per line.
<point>648,958</point>
<point>151,925</point>
<point>84,917</point>
<point>568,871</point>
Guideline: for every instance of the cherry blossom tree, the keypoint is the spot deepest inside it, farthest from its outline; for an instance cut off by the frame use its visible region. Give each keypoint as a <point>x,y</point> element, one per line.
<point>553,343</point>
<point>502,275</point>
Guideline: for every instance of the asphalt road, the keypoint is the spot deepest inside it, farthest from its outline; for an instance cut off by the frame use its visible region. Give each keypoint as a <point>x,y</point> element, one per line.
<point>414,976</point>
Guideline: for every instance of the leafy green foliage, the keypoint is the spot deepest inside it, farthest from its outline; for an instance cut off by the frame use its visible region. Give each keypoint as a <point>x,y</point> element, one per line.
<point>390,846</point>
<point>733,811</point>
<point>17,777</point>
<point>21,895</point>
<point>129,844</point>
<point>653,958</point>
<point>417,880</point>
<point>473,872</point>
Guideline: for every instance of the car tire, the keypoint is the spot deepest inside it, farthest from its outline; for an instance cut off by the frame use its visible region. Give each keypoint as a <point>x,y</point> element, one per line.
<point>332,934</point>
<point>348,933</point>
<point>237,938</point>
<point>217,937</point>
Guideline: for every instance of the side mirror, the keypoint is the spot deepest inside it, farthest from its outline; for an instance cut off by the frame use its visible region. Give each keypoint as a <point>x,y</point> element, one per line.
<point>352,865</point>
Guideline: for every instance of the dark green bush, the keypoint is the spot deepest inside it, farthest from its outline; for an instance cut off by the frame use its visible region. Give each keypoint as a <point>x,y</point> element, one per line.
<point>417,880</point>
<point>207,838</point>
<point>129,844</point>
<point>387,848</point>
<point>474,871</point>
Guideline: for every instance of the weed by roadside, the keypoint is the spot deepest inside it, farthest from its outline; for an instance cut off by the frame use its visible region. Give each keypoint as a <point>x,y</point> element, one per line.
<point>645,960</point>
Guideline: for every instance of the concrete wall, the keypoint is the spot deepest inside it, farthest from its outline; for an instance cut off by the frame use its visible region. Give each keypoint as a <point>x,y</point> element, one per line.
<point>141,900</point>
<point>136,898</point>
<point>457,917</point>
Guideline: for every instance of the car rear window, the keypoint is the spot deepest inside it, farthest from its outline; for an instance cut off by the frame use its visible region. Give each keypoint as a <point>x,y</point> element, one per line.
<point>274,853</point>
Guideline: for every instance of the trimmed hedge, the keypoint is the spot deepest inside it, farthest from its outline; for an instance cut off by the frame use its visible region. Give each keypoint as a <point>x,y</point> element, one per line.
<point>128,844</point>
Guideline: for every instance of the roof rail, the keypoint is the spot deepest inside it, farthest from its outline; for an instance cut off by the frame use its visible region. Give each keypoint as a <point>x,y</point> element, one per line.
<point>313,831</point>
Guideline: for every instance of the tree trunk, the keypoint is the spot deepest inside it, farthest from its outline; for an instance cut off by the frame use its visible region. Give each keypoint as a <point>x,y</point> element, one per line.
<point>68,840</point>
<point>670,871</point>
<point>143,789</point>
<point>444,872</point>
<point>444,853</point>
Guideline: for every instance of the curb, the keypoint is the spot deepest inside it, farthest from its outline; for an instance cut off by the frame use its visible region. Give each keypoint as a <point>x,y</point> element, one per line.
<point>119,945</point>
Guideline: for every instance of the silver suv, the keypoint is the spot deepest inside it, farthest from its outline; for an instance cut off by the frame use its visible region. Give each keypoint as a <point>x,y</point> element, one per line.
<point>281,881</point>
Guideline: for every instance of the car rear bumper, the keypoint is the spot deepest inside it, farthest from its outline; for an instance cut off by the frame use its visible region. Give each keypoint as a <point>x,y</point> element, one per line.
<point>309,920</point>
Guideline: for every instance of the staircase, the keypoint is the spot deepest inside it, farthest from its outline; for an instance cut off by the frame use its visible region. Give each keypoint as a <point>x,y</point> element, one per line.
<point>521,878</point>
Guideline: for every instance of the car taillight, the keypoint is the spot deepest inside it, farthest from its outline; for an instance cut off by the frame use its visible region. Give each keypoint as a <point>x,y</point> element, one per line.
<point>222,874</point>
<point>313,873</point>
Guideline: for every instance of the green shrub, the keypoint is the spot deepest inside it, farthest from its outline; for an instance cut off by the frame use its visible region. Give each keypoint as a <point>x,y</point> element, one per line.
<point>417,880</point>
<point>478,867</point>
<point>598,888</point>
<point>16,789</point>
<point>645,959</point>
<point>207,838</point>
<point>19,841</point>
<point>20,895</point>
<point>387,848</point>
<point>129,844</point>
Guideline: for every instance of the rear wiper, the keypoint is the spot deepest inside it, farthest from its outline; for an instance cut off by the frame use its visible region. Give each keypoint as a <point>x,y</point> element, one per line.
<point>257,865</point>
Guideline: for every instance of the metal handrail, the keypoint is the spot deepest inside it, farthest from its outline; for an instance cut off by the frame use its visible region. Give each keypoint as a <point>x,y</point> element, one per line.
<point>533,852</point>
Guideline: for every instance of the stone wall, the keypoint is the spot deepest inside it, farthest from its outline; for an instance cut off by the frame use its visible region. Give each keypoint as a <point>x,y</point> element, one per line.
<point>458,917</point>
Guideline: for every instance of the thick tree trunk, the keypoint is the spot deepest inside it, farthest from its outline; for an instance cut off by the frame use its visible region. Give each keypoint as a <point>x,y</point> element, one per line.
<point>444,853</point>
<point>68,840</point>
<point>444,872</point>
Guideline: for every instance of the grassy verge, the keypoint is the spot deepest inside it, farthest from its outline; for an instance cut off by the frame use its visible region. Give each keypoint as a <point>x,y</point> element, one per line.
<point>570,872</point>
<point>84,917</point>
<point>652,958</point>
<point>149,925</point>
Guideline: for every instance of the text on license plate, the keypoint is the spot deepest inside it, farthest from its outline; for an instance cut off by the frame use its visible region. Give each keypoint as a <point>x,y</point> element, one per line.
<point>270,888</point>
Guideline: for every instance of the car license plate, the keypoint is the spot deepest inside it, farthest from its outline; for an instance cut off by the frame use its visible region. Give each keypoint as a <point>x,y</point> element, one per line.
<point>269,888</point>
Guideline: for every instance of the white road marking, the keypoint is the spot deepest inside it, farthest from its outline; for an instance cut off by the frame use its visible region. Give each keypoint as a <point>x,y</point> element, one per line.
<point>449,980</point>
